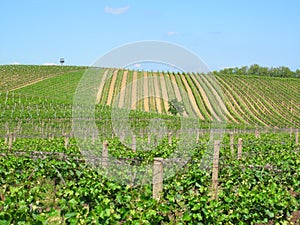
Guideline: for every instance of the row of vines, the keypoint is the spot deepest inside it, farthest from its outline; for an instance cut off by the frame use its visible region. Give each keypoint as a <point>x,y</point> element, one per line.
<point>243,100</point>
<point>39,186</point>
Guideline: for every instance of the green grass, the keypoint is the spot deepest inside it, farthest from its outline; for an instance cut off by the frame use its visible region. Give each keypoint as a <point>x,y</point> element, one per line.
<point>16,76</point>
<point>61,87</point>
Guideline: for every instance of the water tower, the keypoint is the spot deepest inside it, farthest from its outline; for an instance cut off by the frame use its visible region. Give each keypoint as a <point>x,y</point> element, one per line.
<point>62,61</point>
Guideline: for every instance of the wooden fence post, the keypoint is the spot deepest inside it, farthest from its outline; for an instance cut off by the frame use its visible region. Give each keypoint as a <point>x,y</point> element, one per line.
<point>122,136</point>
<point>170,138</point>
<point>257,134</point>
<point>105,154</point>
<point>155,140</point>
<point>198,136</point>
<point>215,171</point>
<point>84,133</point>
<point>157,178</point>
<point>10,141</point>
<point>93,138</point>
<point>297,137</point>
<point>6,137</point>
<point>14,136</point>
<point>232,144</point>
<point>159,134</point>
<point>67,140</point>
<point>134,143</point>
<point>240,148</point>
<point>177,134</point>
<point>149,138</point>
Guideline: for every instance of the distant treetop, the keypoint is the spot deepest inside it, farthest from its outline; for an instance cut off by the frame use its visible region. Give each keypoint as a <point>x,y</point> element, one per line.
<point>257,70</point>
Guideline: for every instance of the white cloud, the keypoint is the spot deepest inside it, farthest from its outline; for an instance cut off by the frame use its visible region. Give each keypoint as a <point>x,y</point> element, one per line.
<point>171,33</point>
<point>116,11</point>
<point>15,63</point>
<point>137,65</point>
<point>49,64</point>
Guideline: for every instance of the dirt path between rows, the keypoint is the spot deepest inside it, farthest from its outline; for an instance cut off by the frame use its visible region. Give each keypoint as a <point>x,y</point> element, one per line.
<point>205,99</point>
<point>146,93</point>
<point>265,104</point>
<point>249,105</point>
<point>192,98</point>
<point>219,99</point>
<point>248,110</point>
<point>123,90</point>
<point>157,93</point>
<point>177,91</point>
<point>101,86</point>
<point>236,108</point>
<point>134,90</point>
<point>164,90</point>
<point>112,88</point>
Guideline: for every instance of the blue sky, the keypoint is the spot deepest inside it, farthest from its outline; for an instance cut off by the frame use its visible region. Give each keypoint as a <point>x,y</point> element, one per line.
<point>223,33</point>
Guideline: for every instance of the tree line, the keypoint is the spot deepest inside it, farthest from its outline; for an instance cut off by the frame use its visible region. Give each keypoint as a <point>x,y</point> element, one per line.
<point>257,70</point>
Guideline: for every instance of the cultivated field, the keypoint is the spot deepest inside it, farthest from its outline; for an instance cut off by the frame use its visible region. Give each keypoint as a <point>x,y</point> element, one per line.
<point>251,174</point>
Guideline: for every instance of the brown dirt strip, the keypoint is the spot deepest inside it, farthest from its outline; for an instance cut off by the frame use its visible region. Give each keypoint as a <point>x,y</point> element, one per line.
<point>234,104</point>
<point>134,90</point>
<point>192,98</point>
<point>157,93</point>
<point>264,104</point>
<point>176,90</point>
<point>140,91</point>
<point>247,105</point>
<point>284,88</point>
<point>276,103</point>
<point>151,92</point>
<point>219,99</point>
<point>123,89</point>
<point>101,85</point>
<point>235,107</point>
<point>164,90</point>
<point>146,100</point>
<point>205,99</point>
<point>112,88</point>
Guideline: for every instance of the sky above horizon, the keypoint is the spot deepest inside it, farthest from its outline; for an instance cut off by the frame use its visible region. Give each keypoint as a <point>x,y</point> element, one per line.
<point>231,33</point>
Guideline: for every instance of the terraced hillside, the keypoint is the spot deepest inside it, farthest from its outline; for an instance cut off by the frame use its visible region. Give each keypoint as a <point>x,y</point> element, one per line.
<point>249,100</point>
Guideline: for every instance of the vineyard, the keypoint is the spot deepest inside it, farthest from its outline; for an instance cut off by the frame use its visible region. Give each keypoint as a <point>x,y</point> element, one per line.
<point>14,77</point>
<point>51,173</point>
<point>246,100</point>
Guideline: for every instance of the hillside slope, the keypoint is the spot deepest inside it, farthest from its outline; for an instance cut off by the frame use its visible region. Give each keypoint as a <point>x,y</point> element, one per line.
<point>17,76</point>
<point>249,100</point>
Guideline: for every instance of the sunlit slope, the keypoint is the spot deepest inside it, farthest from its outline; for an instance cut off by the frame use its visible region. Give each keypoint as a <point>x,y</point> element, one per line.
<point>263,101</point>
<point>17,76</point>
<point>250,100</point>
<point>61,87</point>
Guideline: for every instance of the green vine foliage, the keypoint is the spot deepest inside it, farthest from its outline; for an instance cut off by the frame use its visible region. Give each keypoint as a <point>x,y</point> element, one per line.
<point>49,190</point>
